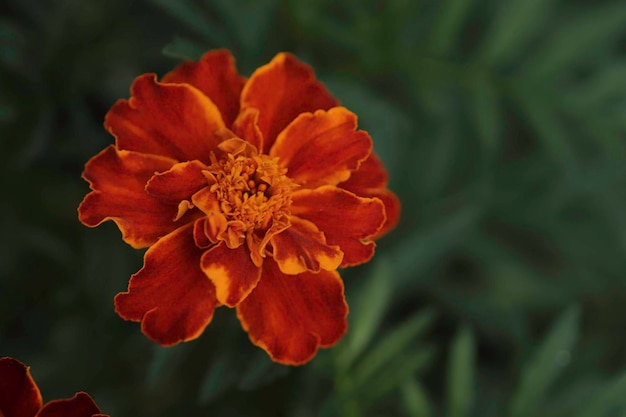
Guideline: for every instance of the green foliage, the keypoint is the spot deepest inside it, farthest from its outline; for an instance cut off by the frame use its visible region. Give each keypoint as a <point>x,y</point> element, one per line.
<point>502,126</point>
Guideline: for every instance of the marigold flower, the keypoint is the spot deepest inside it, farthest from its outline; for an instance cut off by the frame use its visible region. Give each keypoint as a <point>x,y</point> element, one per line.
<point>249,193</point>
<point>20,396</point>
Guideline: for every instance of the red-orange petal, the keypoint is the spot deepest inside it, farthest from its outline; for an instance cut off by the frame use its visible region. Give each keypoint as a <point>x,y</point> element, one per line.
<point>173,120</point>
<point>232,272</point>
<point>80,405</point>
<point>370,180</point>
<point>178,183</point>
<point>281,90</point>
<point>19,395</point>
<point>322,148</point>
<point>170,295</point>
<point>291,316</point>
<point>118,179</point>
<point>215,74</point>
<point>302,247</point>
<point>346,219</point>
<point>246,126</point>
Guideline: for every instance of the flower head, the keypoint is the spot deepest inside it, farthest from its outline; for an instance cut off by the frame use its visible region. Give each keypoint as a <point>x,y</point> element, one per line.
<point>20,396</point>
<point>249,193</point>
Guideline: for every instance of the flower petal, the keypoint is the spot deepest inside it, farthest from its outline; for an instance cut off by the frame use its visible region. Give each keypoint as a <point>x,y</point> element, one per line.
<point>302,247</point>
<point>80,405</point>
<point>370,180</point>
<point>246,126</point>
<point>346,219</point>
<point>281,90</point>
<point>322,148</point>
<point>232,272</point>
<point>215,74</point>
<point>19,395</point>
<point>170,295</point>
<point>173,120</point>
<point>178,183</point>
<point>118,179</point>
<point>290,316</point>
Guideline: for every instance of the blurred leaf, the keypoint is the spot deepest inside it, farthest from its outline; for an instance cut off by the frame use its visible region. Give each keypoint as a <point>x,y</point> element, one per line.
<point>194,18</point>
<point>445,33</point>
<point>260,371</point>
<point>607,399</point>
<point>461,374</point>
<point>391,344</point>
<point>515,24</point>
<point>487,113</point>
<point>367,311</point>
<point>574,41</point>
<point>550,131</point>
<point>609,83</point>
<point>415,399</point>
<point>164,362</point>
<point>398,370</point>
<point>546,364</point>
<point>251,21</point>
<point>183,48</point>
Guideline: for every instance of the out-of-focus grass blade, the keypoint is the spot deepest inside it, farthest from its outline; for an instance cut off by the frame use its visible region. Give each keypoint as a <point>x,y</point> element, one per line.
<point>368,310</point>
<point>164,362</point>
<point>610,397</point>
<point>445,33</point>
<point>545,365</point>
<point>391,345</point>
<point>550,132</point>
<point>608,84</point>
<point>415,399</point>
<point>260,371</point>
<point>487,114</point>
<point>183,48</point>
<point>461,374</point>
<point>513,27</point>
<point>194,18</point>
<point>218,377</point>
<point>412,255</point>
<point>573,42</point>
<point>402,367</point>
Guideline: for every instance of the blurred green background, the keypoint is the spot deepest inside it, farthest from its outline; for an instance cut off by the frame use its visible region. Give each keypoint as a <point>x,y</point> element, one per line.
<point>503,126</point>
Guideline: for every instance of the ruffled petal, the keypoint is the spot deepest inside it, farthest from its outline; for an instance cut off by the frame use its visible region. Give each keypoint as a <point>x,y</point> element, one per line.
<point>170,295</point>
<point>246,126</point>
<point>118,179</point>
<point>302,247</point>
<point>215,74</point>
<point>80,405</point>
<point>178,183</point>
<point>346,219</point>
<point>370,180</point>
<point>281,90</point>
<point>173,120</point>
<point>19,395</point>
<point>232,272</point>
<point>322,148</point>
<point>291,316</point>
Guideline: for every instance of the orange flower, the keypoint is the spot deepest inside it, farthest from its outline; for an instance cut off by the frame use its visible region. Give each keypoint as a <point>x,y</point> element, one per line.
<point>249,193</point>
<point>20,396</point>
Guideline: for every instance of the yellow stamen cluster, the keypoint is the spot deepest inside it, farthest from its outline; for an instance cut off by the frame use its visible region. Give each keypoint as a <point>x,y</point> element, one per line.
<point>251,190</point>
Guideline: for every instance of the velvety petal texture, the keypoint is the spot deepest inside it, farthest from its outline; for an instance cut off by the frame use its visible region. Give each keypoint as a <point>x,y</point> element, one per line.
<point>281,90</point>
<point>346,219</point>
<point>248,193</point>
<point>232,272</point>
<point>322,148</point>
<point>171,296</point>
<point>291,316</point>
<point>118,179</point>
<point>217,77</point>
<point>173,120</point>
<point>81,405</point>
<point>370,180</point>
<point>19,395</point>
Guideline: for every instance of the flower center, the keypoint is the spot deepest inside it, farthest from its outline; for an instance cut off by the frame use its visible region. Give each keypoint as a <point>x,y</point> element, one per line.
<point>251,190</point>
